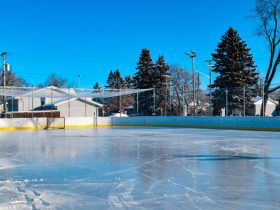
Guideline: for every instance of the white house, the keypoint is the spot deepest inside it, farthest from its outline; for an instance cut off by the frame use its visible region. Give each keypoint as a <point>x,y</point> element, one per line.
<point>270,106</point>
<point>53,98</point>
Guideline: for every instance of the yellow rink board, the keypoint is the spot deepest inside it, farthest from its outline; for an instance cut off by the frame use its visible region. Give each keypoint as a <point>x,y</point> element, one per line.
<point>139,125</point>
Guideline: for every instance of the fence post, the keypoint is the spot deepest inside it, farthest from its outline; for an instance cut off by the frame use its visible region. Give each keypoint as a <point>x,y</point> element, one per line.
<point>226,114</point>
<point>32,104</point>
<point>137,104</point>
<point>51,102</point>
<point>154,95</point>
<point>4,100</point>
<point>69,109</point>
<point>12,103</point>
<point>170,100</point>
<point>244,101</point>
<point>85,103</point>
<point>263,99</point>
<point>120,98</point>
<point>210,97</point>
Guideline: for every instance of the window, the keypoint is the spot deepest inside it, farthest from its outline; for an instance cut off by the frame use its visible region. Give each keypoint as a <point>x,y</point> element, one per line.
<point>43,101</point>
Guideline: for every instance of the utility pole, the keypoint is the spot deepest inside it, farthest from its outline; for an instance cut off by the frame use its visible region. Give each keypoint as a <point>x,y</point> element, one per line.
<point>210,83</point>
<point>5,67</point>
<point>192,55</point>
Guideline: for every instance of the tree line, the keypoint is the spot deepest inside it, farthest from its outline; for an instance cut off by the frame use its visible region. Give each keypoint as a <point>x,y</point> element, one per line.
<point>236,83</point>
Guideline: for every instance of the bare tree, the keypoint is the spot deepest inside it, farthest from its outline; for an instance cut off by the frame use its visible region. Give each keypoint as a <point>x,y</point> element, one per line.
<point>267,13</point>
<point>54,80</point>
<point>12,80</point>
<point>181,84</point>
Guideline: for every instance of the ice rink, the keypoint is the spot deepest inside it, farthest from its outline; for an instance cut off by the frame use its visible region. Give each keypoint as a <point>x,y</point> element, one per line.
<point>139,168</point>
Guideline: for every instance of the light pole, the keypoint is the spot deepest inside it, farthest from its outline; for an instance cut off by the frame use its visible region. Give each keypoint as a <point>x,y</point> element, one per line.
<point>79,80</point>
<point>210,65</point>
<point>197,92</point>
<point>192,55</point>
<point>166,76</point>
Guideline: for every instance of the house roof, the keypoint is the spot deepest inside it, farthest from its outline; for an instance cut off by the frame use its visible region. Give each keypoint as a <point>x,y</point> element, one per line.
<point>67,93</point>
<point>30,93</point>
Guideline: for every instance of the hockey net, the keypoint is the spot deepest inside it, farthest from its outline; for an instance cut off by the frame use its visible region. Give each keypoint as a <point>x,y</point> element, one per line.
<point>56,122</point>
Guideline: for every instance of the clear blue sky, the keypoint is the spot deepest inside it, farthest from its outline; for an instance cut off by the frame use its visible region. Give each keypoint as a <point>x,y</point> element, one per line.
<point>90,37</point>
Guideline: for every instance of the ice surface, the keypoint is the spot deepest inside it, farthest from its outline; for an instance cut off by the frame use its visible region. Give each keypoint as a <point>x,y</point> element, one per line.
<point>139,168</point>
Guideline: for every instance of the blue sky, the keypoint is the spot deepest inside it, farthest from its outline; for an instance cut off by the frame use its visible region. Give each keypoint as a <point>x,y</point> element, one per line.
<point>89,37</point>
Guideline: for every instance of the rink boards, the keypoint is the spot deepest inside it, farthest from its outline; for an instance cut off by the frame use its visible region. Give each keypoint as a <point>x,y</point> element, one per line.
<point>239,123</point>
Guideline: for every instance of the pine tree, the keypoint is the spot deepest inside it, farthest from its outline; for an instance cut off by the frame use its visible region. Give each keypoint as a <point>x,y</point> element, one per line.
<point>161,68</point>
<point>97,90</point>
<point>237,70</point>
<point>128,100</point>
<point>129,82</point>
<point>145,66</point>
<point>114,82</point>
<point>96,86</point>
<point>109,82</point>
<point>144,78</point>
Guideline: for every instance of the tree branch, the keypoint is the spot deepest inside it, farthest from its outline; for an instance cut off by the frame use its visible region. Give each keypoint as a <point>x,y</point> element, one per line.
<point>275,22</point>
<point>274,69</point>
<point>272,90</point>
<point>266,32</point>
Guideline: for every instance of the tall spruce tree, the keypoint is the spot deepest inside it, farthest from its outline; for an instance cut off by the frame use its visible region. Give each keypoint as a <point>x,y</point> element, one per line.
<point>161,68</point>
<point>144,78</point>
<point>114,81</point>
<point>237,70</point>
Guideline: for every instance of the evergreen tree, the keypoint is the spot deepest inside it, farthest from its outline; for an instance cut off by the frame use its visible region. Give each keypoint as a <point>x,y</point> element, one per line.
<point>128,100</point>
<point>96,86</point>
<point>145,67</point>
<point>236,69</point>
<point>129,82</point>
<point>98,90</point>
<point>161,68</point>
<point>144,78</point>
<point>114,82</point>
<point>110,80</point>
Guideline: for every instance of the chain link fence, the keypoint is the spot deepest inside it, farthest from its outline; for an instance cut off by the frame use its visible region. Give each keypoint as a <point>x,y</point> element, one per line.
<point>167,101</point>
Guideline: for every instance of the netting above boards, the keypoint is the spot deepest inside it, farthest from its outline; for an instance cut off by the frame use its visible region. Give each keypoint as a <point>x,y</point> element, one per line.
<point>54,92</point>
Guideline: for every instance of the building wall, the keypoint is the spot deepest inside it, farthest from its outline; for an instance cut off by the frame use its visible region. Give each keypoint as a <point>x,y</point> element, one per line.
<point>25,103</point>
<point>270,107</point>
<point>77,108</point>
